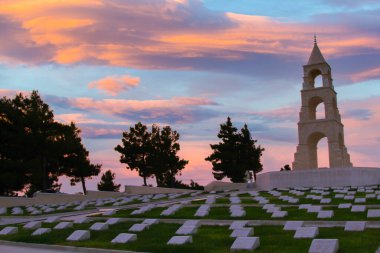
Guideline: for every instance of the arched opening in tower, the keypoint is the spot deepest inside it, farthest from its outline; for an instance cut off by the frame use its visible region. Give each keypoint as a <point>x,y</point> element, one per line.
<point>323,153</point>
<point>318,82</point>
<point>320,111</point>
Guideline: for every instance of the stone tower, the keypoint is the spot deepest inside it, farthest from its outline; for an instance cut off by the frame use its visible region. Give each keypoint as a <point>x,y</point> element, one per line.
<point>311,129</point>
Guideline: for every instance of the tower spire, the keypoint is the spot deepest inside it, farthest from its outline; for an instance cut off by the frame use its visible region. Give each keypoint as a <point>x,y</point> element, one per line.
<point>316,55</point>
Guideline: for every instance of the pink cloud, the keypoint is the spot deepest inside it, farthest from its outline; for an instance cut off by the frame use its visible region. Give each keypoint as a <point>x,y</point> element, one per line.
<point>160,34</point>
<point>113,85</point>
<point>365,75</point>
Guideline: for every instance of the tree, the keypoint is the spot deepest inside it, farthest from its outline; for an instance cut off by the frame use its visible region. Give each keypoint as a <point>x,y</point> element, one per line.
<point>235,154</point>
<point>76,163</point>
<point>250,155</point>
<point>107,182</point>
<point>286,168</point>
<point>164,160</point>
<point>225,154</point>
<point>135,150</point>
<point>152,153</point>
<point>34,148</point>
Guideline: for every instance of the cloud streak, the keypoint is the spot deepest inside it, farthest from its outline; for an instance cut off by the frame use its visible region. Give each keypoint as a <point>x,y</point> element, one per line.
<point>113,85</point>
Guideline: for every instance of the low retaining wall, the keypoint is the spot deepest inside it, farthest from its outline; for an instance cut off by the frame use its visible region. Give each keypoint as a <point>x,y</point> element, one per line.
<point>55,198</point>
<point>222,186</point>
<point>355,176</point>
<point>133,189</point>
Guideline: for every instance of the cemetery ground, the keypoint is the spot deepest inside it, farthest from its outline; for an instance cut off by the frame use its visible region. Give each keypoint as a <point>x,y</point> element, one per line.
<point>281,220</point>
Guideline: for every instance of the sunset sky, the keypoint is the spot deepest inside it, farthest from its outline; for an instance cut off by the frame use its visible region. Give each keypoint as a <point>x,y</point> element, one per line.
<point>107,64</point>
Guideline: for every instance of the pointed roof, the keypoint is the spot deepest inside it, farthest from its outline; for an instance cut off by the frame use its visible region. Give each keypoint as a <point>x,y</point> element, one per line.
<point>316,55</point>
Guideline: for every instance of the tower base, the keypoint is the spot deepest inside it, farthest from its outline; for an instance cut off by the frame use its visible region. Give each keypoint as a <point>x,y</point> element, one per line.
<point>354,176</point>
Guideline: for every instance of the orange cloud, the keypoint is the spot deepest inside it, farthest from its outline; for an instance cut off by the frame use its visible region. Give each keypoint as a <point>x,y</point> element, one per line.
<point>164,33</point>
<point>112,85</point>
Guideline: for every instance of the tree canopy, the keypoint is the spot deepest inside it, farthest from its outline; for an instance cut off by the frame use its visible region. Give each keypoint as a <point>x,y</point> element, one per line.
<point>107,182</point>
<point>235,154</point>
<point>152,153</point>
<point>34,148</point>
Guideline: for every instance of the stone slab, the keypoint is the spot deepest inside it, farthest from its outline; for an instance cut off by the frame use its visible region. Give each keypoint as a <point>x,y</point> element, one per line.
<point>82,220</point>
<point>99,226</point>
<point>33,225</point>
<point>355,226</point>
<point>279,214</point>
<point>242,232</point>
<point>191,223</point>
<point>41,231</point>
<point>344,205</point>
<point>124,238</point>
<point>245,243</point>
<point>186,230</point>
<point>179,240</point>
<point>306,232</point>
<point>52,219</point>
<point>9,231</point>
<point>314,209</point>
<point>238,224</point>
<point>293,225</point>
<point>138,227</point>
<point>63,225</point>
<point>324,246</point>
<point>358,208</point>
<point>150,221</point>
<point>373,213</point>
<point>79,235</point>
<point>325,214</point>
<point>113,221</point>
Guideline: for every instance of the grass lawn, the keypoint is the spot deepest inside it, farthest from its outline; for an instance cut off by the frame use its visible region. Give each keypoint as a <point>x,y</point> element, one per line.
<point>207,239</point>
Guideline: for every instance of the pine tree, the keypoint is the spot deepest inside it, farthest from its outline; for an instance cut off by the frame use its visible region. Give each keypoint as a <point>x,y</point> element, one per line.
<point>225,154</point>
<point>135,150</point>
<point>107,182</point>
<point>250,155</point>
<point>76,163</point>
<point>235,154</point>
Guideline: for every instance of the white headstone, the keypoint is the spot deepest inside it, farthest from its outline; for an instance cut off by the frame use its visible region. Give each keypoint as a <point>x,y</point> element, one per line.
<point>99,226</point>
<point>306,232</point>
<point>113,221</point>
<point>355,226</point>
<point>124,238</point>
<point>314,209</point>
<point>360,200</point>
<point>191,223</point>
<point>32,225</point>
<point>325,214</point>
<point>79,235</point>
<point>293,225</point>
<point>138,227</point>
<point>9,231</point>
<point>358,208</point>
<point>279,214</point>
<point>52,219</point>
<point>373,213</point>
<point>41,231</point>
<point>186,230</point>
<point>245,243</point>
<point>63,225</point>
<point>150,221</point>
<point>81,220</point>
<point>179,240</point>
<point>3,210</point>
<point>242,232</point>
<point>344,205</point>
<point>238,224</point>
<point>110,212</point>
<point>324,246</point>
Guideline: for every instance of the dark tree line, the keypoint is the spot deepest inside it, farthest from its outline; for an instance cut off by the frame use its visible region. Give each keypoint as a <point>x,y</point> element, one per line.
<point>35,149</point>
<point>235,154</point>
<point>152,153</point>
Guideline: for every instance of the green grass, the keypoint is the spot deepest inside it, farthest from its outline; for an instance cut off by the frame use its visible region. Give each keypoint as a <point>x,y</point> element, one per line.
<point>211,239</point>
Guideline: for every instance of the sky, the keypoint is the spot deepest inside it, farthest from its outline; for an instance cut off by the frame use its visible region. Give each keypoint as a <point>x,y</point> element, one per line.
<point>108,64</point>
